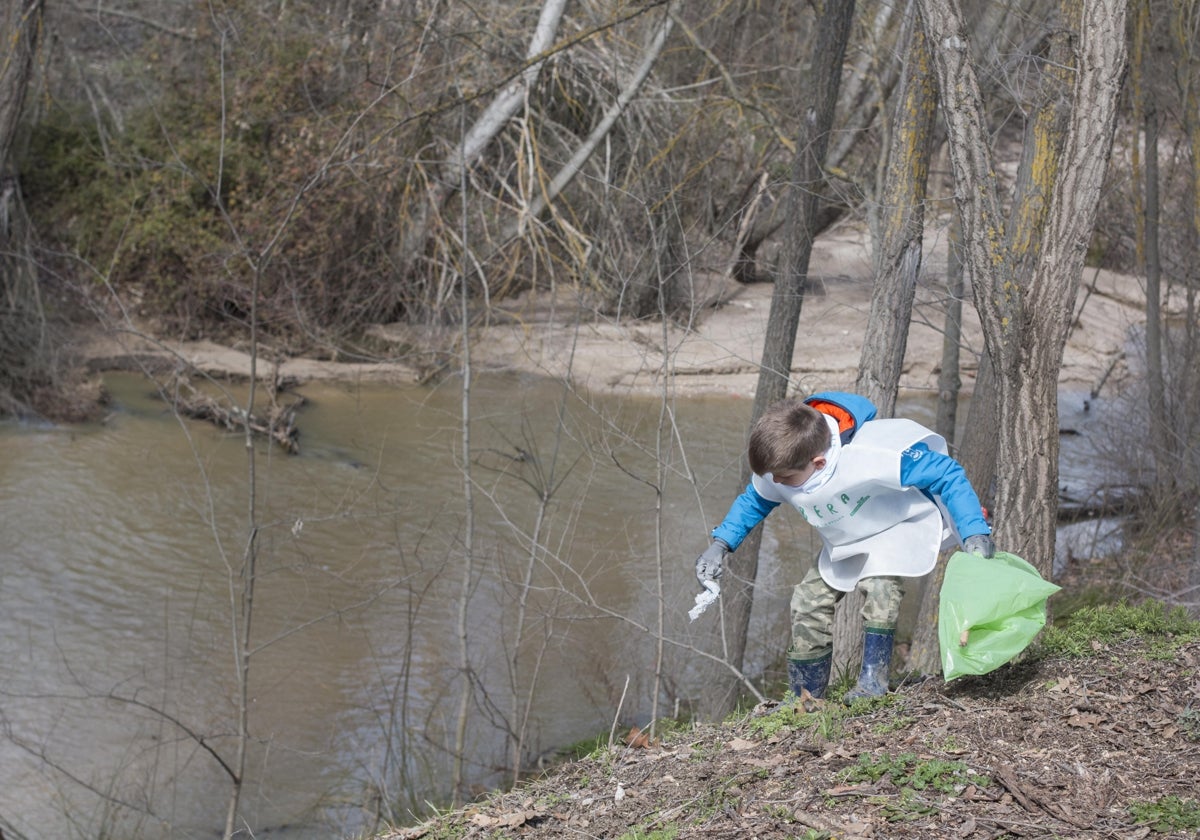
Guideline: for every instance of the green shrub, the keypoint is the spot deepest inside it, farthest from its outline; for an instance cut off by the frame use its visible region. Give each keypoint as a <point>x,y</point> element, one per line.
<point>668,833</point>
<point>1167,813</point>
<point>826,720</point>
<point>907,771</point>
<point>198,194</point>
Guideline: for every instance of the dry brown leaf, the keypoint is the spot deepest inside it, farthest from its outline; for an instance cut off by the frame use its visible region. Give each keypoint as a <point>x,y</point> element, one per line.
<point>510,820</point>
<point>1085,719</point>
<point>766,763</point>
<point>1066,685</point>
<point>807,702</point>
<point>850,790</point>
<point>639,739</point>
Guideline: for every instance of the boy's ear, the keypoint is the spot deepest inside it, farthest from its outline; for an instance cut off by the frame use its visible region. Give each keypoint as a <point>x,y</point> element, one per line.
<point>819,462</point>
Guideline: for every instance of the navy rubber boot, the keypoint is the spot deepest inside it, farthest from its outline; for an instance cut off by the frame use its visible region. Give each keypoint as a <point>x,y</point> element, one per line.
<point>811,675</point>
<point>876,665</point>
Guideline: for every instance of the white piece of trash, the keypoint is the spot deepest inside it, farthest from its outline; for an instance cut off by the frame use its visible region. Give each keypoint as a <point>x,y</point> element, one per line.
<point>712,591</point>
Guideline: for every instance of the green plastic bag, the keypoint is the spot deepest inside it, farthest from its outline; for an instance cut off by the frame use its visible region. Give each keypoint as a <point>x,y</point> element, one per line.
<point>1000,601</point>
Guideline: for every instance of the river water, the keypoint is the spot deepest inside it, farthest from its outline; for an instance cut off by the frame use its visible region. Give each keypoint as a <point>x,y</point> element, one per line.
<point>124,544</point>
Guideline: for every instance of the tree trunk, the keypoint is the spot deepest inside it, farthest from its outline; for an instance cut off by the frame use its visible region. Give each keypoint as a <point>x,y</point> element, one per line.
<point>1185,379</point>
<point>869,84</point>
<point>833,31</point>
<point>1146,118</point>
<point>980,446</point>
<point>897,269</point>
<point>1100,54</point>
<point>950,376</point>
<point>1162,437</point>
<point>902,212</point>
<point>22,320</point>
<point>804,197</point>
<point>1025,318</point>
<point>924,654</point>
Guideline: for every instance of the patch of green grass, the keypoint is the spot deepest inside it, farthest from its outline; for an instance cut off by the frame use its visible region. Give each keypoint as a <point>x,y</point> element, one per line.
<point>867,705</point>
<point>670,832</point>
<point>826,720</point>
<point>1162,650</point>
<point>894,724</point>
<point>552,799</point>
<point>1167,813</point>
<point>1165,629</point>
<point>840,683</point>
<point>906,806</point>
<point>779,812</point>
<point>907,771</point>
<point>741,711</point>
<point>666,727</point>
<point>442,827</point>
<point>706,752</point>
<point>1070,601</point>
<point>715,800</point>
<point>948,744</point>
<point>1189,722</point>
<point>603,758</point>
<point>587,748</point>
<point>783,719</point>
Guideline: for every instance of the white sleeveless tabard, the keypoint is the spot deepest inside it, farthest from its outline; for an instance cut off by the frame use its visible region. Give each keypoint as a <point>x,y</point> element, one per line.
<point>870,524</point>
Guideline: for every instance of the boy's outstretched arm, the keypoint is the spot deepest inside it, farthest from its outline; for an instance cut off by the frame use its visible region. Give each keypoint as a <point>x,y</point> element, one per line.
<point>942,476</point>
<point>747,510</point>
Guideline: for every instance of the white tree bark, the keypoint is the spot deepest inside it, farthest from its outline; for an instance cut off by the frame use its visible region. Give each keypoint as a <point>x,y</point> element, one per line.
<point>476,139</point>
<point>571,168</point>
<point>497,114</point>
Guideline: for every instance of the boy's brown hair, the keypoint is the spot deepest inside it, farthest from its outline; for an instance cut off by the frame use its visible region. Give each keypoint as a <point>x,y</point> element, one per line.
<point>787,436</point>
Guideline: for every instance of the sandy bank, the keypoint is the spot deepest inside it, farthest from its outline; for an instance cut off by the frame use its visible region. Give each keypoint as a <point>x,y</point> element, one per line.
<point>717,353</point>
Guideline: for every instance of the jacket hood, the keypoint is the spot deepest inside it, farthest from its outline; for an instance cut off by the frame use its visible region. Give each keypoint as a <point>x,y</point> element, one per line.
<point>850,410</point>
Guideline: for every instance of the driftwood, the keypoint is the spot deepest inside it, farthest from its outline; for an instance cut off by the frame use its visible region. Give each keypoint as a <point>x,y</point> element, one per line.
<point>277,423</point>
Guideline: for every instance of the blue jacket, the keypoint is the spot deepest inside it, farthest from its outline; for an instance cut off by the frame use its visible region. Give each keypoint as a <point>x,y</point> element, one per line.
<point>933,473</point>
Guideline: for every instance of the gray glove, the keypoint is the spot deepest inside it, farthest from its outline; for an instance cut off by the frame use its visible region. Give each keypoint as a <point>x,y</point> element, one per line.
<point>980,544</point>
<point>711,563</point>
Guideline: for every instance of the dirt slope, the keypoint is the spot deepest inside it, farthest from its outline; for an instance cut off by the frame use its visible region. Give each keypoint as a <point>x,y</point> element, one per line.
<point>1059,748</point>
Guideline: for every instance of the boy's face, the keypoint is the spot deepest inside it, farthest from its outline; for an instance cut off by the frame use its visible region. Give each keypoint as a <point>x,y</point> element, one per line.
<point>797,477</point>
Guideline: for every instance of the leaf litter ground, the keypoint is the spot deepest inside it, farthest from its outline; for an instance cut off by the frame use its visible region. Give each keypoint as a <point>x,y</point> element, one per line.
<point>1050,748</point>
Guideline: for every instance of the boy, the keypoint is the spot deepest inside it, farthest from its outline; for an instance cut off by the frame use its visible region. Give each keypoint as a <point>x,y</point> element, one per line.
<point>885,498</point>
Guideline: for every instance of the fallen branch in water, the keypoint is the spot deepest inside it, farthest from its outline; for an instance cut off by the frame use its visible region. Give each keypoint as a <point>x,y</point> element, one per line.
<point>278,424</point>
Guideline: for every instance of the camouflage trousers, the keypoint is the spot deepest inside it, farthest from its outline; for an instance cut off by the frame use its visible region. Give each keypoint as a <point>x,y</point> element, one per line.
<point>813,601</point>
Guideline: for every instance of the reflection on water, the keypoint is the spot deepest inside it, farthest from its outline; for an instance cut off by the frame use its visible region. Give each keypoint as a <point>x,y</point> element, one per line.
<point>125,543</point>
